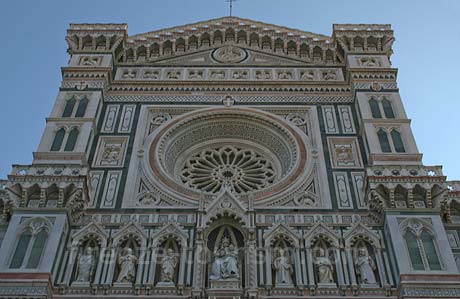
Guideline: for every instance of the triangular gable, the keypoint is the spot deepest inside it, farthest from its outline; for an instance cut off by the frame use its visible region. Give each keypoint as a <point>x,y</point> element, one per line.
<point>204,57</point>
<point>361,230</point>
<point>131,230</point>
<point>280,229</point>
<point>92,229</point>
<point>321,229</point>
<point>226,204</point>
<point>170,230</point>
<point>239,23</point>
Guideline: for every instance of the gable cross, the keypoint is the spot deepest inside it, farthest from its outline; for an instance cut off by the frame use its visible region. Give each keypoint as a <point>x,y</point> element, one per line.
<point>231,5</point>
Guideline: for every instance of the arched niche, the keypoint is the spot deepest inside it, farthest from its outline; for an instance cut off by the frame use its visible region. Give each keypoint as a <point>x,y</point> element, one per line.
<point>225,240</point>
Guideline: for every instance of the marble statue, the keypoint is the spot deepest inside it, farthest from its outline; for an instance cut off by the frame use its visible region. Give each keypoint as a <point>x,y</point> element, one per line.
<point>365,267</point>
<point>86,264</point>
<point>168,266</point>
<point>283,269</point>
<point>324,267</point>
<point>127,263</point>
<point>225,263</point>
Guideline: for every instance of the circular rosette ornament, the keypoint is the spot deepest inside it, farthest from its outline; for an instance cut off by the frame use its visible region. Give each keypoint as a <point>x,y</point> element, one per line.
<point>243,170</point>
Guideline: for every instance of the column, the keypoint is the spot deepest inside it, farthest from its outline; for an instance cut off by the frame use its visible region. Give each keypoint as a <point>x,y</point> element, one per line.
<point>380,267</point>
<point>73,255</point>
<point>268,265</point>
<point>183,257</point>
<point>339,269</point>
<point>311,275</point>
<point>152,266</point>
<point>100,266</point>
<point>140,266</point>
<point>298,269</point>
<point>351,266</point>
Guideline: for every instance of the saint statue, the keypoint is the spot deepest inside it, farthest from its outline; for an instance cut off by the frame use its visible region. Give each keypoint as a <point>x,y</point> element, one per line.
<point>127,263</point>
<point>324,267</point>
<point>168,266</point>
<point>225,263</point>
<point>365,266</point>
<point>283,269</point>
<point>86,263</point>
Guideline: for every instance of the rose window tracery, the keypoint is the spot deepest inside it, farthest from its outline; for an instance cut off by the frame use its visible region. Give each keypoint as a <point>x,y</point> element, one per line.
<point>243,170</point>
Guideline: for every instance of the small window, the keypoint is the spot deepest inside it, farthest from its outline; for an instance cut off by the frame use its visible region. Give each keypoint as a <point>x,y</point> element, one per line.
<point>71,140</point>
<point>375,109</point>
<point>81,107</point>
<point>37,250</point>
<point>383,140</point>
<point>58,139</point>
<point>414,251</point>
<point>388,109</point>
<point>68,109</point>
<point>397,141</point>
<point>430,251</point>
<point>20,251</point>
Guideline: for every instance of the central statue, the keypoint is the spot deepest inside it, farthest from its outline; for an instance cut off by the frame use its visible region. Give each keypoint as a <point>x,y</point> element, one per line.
<point>225,263</point>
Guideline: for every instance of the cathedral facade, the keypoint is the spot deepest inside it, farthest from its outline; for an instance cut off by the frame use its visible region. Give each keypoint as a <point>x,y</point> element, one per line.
<point>229,159</point>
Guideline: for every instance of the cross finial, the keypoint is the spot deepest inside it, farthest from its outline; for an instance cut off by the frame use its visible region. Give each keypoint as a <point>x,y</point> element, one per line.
<point>231,5</point>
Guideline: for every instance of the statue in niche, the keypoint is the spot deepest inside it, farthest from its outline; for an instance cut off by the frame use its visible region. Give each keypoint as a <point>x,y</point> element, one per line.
<point>168,266</point>
<point>283,269</point>
<point>225,263</point>
<point>127,263</point>
<point>86,263</point>
<point>324,267</point>
<point>365,267</point>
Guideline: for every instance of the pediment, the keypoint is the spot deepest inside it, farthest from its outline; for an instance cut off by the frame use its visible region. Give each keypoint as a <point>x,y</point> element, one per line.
<point>249,57</point>
<point>226,204</point>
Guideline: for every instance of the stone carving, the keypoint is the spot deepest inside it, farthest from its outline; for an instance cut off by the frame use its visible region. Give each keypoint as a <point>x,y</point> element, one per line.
<point>225,265</point>
<point>127,263</point>
<point>329,76</point>
<point>369,61</point>
<point>129,74</point>
<point>263,75</point>
<point>308,75</point>
<point>195,74</point>
<point>365,267</point>
<point>240,74</point>
<point>211,169</point>
<point>229,54</point>
<point>306,199</point>
<point>148,199</point>
<point>174,74</point>
<point>111,153</point>
<point>285,75</point>
<point>168,267</point>
<point>90,60</point>
<point>218,75</point>
<point>325,269</point>
<point>283,269</point>
<point>152,74</point>
<point>86,263</point>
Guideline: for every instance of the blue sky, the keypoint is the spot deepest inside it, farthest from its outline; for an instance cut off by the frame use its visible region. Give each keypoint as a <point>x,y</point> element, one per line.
<point>426,53</point>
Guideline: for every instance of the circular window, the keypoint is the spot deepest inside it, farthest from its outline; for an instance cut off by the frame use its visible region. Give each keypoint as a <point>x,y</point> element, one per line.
<point>249,151</point>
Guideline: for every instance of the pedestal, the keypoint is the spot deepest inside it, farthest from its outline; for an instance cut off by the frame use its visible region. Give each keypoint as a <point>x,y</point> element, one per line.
<point>329,285</point>
<point>230,283</point>
<point>225,288</point>
<point>81,284</point>
<point>166,284</point>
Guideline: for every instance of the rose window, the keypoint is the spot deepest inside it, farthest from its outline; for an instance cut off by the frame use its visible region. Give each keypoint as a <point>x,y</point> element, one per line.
<point>243,170</point>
